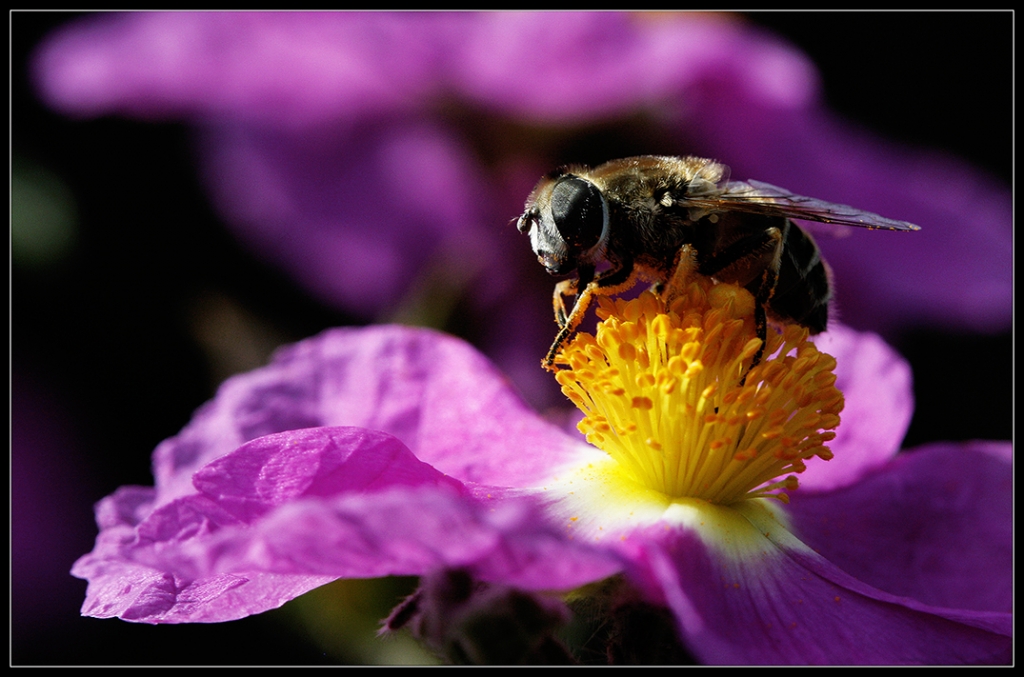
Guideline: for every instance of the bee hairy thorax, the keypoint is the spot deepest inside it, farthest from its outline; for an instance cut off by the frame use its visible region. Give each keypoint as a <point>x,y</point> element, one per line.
<point>658,226</point>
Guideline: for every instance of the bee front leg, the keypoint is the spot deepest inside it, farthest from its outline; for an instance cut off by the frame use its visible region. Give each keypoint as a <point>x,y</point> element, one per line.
<point>614,280</point>
<point>563,289</point>
<point>569,325</point>
<point>567,322</point>
<point>610,281</point>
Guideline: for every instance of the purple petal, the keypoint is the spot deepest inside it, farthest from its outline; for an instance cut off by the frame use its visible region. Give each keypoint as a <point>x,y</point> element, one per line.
<point>293,69</point>
<point>274,470</point>
<point>289,512</point>
<point>541,65</point>
<point>450,406</point>
<point>789,606</point>
<point>411,533</point>
<point>935,524</point>
<point>876,383</point>
<point>142,594</point>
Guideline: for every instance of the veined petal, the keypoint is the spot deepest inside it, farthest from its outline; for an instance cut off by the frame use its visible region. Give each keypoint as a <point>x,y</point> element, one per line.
<point>289,512</point>
<point>277,469</point>
<point>444,400</point>
<point>762,597</point>
<point>138,593</point>
<point>877,384</point>
<point>935,524</point>
<point>413,532</point>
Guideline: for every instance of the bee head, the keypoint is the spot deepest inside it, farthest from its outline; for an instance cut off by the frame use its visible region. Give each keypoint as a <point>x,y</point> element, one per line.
<point>567,220</point>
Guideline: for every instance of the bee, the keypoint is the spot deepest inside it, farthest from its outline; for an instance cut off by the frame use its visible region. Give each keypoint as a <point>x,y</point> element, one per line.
<point>633,219</point>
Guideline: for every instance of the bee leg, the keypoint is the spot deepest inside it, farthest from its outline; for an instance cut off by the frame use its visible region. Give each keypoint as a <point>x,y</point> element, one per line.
<point>579,309</point>
<point>761,327</point>
<point>762,249</point>
<point>683,266</point>
<point>610,281</point>
<point>567,322</point>
<point>563,289</point>
<point>585,275</point>
<point>614,280</point>
<point>769,280</point>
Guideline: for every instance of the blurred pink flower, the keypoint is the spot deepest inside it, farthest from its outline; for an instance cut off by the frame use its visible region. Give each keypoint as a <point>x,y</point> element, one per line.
<point>367,153</point>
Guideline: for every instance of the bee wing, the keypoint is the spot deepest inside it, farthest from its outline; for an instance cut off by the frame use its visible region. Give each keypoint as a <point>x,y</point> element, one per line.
<point>757,197</point>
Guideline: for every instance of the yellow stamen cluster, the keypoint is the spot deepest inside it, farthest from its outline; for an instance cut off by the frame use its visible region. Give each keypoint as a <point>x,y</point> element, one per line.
<point>667,393</point>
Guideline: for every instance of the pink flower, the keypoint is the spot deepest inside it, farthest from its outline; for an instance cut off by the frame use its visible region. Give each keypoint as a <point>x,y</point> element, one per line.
<point>391,450</point>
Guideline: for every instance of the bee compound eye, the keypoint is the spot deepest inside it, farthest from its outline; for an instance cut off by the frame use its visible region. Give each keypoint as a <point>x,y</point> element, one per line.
<point>577,208</point>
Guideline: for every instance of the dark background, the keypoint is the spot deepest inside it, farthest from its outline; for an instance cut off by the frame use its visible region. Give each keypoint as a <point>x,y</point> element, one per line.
<point>104,344</point>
